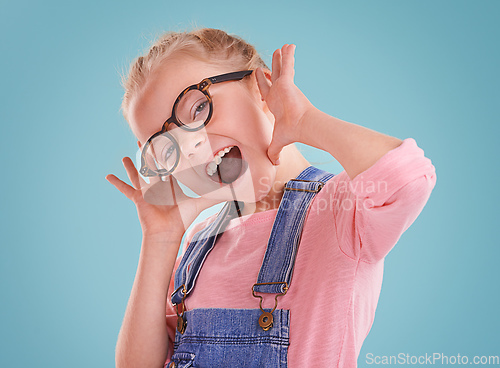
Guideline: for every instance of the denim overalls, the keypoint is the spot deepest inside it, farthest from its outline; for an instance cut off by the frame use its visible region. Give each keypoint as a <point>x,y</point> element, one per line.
<point>257,337</point>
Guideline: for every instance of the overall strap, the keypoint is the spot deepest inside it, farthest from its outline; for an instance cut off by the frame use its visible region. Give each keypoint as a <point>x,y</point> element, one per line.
<point>287,228</point>
<point>277,267</point>
<point>201,244</point>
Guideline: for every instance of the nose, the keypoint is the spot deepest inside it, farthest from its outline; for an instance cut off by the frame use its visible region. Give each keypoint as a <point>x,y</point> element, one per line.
<point>192,142</point>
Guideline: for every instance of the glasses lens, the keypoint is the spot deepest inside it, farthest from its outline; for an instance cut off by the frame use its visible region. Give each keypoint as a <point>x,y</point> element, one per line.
<point>193,109</point>
<point>162,153</point>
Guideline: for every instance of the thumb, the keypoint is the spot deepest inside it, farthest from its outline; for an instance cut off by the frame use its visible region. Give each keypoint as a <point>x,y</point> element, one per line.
<point>274,150</point>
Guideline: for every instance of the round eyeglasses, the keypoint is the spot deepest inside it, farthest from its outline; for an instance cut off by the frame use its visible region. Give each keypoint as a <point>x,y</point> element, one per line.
<point>192,111</point>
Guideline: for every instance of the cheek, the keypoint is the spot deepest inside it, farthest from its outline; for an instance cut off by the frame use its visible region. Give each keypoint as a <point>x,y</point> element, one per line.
<point>242,120</point>
<point>261,129</point>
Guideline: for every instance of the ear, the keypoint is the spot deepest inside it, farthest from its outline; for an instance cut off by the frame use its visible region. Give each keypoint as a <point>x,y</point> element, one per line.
<point>262,103</point>
<point>267,73</point>
<point>255,86</point>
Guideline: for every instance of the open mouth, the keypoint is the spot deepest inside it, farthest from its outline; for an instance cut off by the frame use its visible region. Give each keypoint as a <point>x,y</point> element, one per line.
<point>227,166</point>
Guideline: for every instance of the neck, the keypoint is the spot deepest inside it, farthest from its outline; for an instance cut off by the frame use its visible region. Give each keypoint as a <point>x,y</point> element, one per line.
<point>292,164</point>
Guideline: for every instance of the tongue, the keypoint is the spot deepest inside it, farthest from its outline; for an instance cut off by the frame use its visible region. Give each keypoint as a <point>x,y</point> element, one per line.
<point>230,167</point>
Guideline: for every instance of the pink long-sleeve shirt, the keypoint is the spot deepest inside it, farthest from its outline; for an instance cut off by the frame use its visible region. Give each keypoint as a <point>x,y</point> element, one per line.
<point>350,227</point>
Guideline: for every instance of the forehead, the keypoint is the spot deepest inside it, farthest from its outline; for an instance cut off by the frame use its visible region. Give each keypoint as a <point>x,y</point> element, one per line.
<point>152,105</point>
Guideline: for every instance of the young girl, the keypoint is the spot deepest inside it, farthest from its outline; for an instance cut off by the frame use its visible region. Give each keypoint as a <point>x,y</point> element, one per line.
<point>209,113</point>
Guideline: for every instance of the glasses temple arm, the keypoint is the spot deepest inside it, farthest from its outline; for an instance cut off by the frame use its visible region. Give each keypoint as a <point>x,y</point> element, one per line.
<point>230,76</point>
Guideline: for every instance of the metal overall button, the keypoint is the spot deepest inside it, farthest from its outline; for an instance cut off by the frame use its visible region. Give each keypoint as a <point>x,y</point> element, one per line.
<point>181,320</point>
<point>266,318</point>
<point>266,321</point>
<point>181,324</point>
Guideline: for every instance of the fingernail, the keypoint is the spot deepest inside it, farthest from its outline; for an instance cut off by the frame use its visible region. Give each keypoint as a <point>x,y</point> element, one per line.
<point>277,162</point>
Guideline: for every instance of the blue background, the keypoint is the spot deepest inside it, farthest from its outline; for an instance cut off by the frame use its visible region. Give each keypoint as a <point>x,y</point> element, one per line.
<point>70,241</point>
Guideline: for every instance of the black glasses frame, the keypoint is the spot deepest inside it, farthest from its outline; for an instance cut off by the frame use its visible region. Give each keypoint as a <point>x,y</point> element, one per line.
<point>203,86</point>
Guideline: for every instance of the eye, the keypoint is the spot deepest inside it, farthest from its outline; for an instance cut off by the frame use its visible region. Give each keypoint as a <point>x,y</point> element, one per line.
<point>169,152</point>
<point>199,107</point>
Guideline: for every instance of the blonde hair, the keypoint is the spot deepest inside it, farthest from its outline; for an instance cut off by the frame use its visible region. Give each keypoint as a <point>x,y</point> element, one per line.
<point>209,45</point>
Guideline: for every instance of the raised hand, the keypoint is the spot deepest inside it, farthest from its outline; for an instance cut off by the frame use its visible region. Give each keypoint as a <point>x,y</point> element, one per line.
<point>170,219</point>
<point>285,100</point>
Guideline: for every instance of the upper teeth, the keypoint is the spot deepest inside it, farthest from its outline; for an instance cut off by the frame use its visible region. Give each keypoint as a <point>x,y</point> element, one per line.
<point>212,166</point>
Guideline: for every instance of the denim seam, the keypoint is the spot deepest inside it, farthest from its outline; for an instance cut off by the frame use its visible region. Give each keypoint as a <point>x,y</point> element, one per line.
<point>226,340</point>
<point>294,235</point>
<point>294,250</point>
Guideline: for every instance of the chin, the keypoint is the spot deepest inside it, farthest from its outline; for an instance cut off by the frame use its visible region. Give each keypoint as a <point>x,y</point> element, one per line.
<point>253,185</point>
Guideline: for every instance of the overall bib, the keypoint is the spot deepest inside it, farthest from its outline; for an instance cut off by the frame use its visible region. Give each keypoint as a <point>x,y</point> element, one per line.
<point>257,337</point>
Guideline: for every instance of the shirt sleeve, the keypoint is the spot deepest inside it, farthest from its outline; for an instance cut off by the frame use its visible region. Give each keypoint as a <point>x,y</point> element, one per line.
<point>375,208</point>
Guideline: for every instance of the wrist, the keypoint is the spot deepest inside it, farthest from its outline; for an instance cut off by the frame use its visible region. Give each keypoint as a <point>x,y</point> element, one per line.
<point>158,247</point>
<point>162,237</point>
<point>305,124</point>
